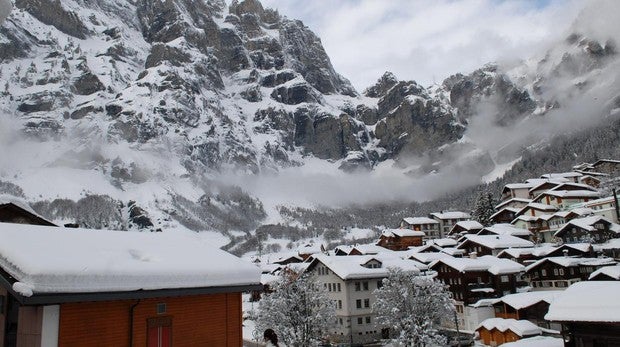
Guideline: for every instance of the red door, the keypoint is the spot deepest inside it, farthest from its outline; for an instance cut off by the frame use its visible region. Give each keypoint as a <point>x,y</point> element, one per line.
<point>159,332</point>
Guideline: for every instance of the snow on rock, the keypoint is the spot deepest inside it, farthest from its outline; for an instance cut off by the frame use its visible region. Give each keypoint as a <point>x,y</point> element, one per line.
<point>102,260</point>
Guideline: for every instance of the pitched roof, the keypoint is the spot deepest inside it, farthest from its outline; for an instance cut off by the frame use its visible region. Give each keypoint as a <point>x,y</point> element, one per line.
<point>469,225</point>
<point>520,200</point>
<point>519,327</point>
<point>572,261</point>
<point>497,241</point>
<point>494,265</point>
<point>451,215</point>
<point>536,341</point>
<point>586,223</point>
<point>505,229</point>
<point>587,301</point>
<point>445,242</point>
<point>402,233</point>
<point>611,271</point>
<point>522,300</point>
<point>419,220</point>
<point>351,267</point>
<point>94,261</point>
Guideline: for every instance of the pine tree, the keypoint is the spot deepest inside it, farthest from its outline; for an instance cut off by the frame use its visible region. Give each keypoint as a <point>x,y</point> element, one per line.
<point>299,310</point>
<point>412,307</point>
<point>484,209</point>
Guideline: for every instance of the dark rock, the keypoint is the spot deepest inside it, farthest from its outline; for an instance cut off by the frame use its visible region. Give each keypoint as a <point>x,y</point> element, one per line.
<point>161,52</point>
<point>295,94</point>
<point>252,94</point>
<point>113,110</point>
<point>87,84</point>
<point>36,107</point>
<point>277,78</point>
<point>138,216</point>
<point>383,85</point>
<point>51,12</point>
<point>82,112</point>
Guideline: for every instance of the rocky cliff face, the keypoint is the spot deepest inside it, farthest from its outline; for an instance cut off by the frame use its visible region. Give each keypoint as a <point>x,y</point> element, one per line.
<point>144,91</point>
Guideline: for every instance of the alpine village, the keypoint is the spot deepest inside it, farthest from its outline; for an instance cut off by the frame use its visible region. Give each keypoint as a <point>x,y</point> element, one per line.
<point>144,104</point>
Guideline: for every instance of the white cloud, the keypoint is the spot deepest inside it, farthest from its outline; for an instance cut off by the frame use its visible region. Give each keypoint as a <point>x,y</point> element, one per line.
<point>428,40</point>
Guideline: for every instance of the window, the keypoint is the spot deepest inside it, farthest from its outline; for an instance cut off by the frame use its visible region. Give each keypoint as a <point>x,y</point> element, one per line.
<point>555,272</point>
<point>357,286</point>
<point>339,288</point>
<point>365,285</point>
<point>340,305</point>
<point>360,320</point>
<point>340,321</point>
<point>329,287</point>
<point>504,279</point>
<point>543,272</point>
<point>379,284</point>
<point>161,308</point>
<point>561,272</point>
<point>358,303</point>
<point>368,320</point>
<point>366,303</point>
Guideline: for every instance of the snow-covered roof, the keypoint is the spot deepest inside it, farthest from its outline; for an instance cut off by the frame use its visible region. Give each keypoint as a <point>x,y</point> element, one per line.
<point>498,241</point>
<point>451,215</point>
<point>419,220</point>
<point>587,223</point>
<point>65,260</point>
<point>309,248</point>
<point>445,242</point>
<point>539,206</point>
<point>402,233</point>
<point>587,301</point>
<point>518,186</point>
<point>427,258</point>
<point>572,194</point>
<point>509,201</point>
<point>537,341</point>
<point>489,263</point>
<point>351,267</point>
<point>609,244</point>
<point>469,225</point>
<point>561,174</point>
<point>519,327</point>
<point>611,271</point>
<point>6,199</point>
<point>506,229</point>
<point>453,251</point>
<point>538,251</point>
<point>519,301</point>
<point>573,261</point>
<point>371,249</point>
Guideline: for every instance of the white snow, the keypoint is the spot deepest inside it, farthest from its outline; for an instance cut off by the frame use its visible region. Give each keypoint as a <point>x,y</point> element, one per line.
<point>519,327</point>
<point>537,341</point>
<point>102,260</point>
<point>590,301</point>
<point>488,263</point>
<point>498,241</point>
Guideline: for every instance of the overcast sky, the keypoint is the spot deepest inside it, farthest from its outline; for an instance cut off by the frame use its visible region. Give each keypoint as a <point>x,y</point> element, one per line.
<point>428,40</point>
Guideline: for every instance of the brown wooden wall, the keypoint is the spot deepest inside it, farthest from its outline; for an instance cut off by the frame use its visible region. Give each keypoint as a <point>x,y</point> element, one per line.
<point>29,326</point>
<point>206,320</point>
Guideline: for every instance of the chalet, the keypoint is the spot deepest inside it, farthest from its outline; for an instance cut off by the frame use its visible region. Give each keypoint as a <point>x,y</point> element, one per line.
<point>400,239</point>
<point>591,180</point>
<point>16,210</point>
<point>427,258</point>
<point>526,255</point>
<point>572,176</point>
<point>465,227</point>
<point>506,214</point>
<point>491,244</point>
<point>307,250</point>
<point>607,166</point>
<point>536,210</point>
<point>370,249</point>
<point>562,199</point>
<point>447,220</point>
<point>475,278</point>
<point>606,273</point>
<point>594,229</point>
<point>605,207</point>
<point>518,203</point>
<point>429,226</point>
<point>583,250</point>
<point>289,258</point>
<point>112,288</point>
<point>531,306</point>
<point>516,190</point>
<point>588,312</point>
<point>529,223</point>
<point>497,331</point>
<point>611,248</point>
<point>543,186</point>
<point>557,273</point>
<point>350,282</point>
<point>506,229</point>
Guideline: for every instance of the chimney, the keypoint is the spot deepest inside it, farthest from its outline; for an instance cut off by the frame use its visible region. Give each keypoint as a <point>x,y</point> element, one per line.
<point>565,253</point>
<point>473,255</point>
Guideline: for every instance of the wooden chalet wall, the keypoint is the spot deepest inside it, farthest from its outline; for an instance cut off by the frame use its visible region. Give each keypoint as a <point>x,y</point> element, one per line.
<point>495,337</point>
<point>206,320</point>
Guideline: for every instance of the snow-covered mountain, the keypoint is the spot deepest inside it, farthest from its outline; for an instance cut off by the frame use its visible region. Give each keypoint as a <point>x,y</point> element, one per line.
<point>151,105</point>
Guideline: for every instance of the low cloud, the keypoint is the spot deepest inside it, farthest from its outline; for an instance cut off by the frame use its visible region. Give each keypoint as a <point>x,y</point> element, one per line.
<point>428,40</point>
